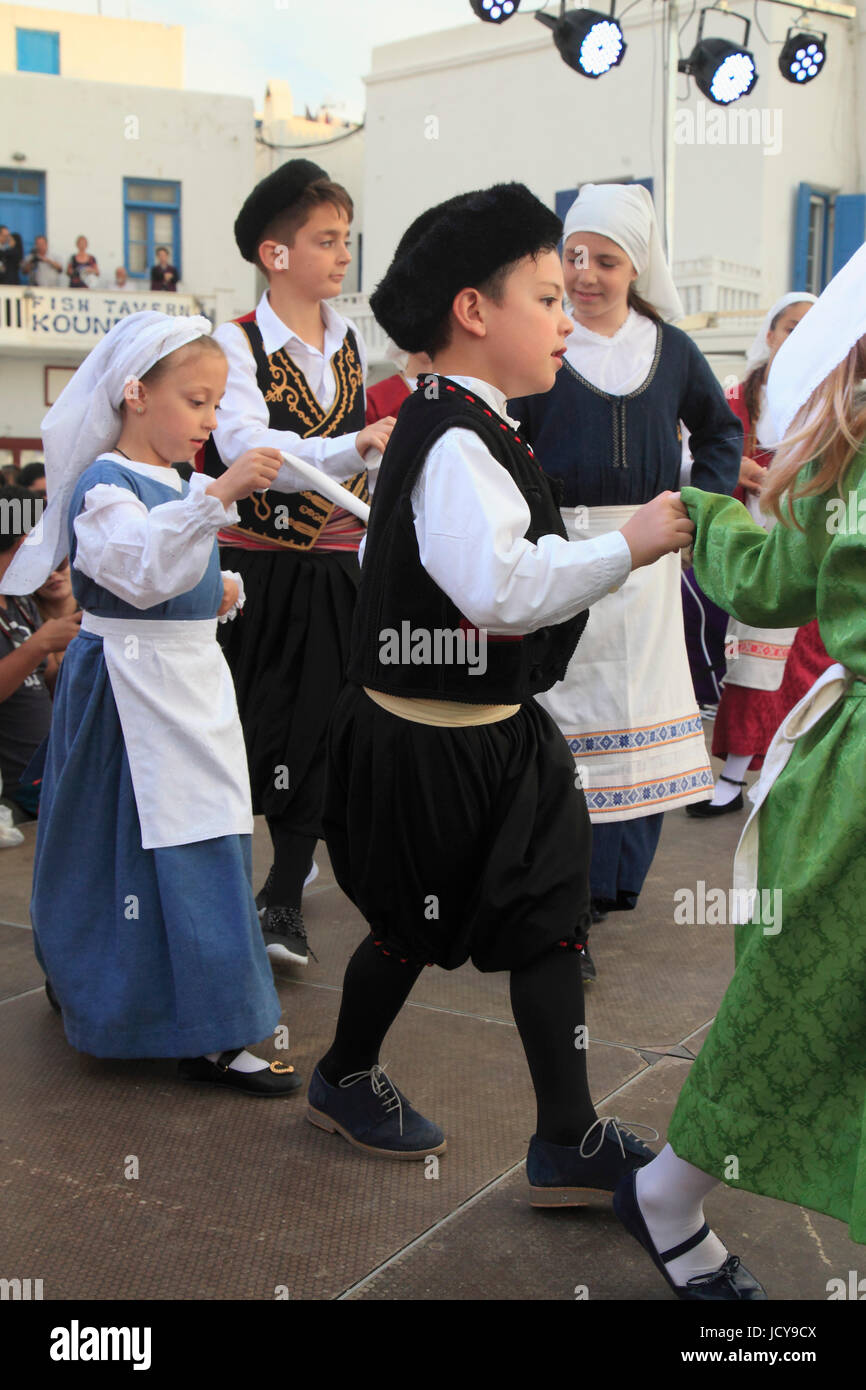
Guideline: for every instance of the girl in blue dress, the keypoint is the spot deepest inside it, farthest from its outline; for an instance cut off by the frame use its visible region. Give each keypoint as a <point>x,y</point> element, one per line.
<point>143,914</point>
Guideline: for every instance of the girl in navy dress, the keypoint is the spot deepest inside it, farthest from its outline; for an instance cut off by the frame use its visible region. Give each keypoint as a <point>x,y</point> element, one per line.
<point>143,914</point>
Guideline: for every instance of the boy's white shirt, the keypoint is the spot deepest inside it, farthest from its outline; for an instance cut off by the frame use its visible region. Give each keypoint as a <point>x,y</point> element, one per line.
<point>242,419</point>
<point>471,521</point>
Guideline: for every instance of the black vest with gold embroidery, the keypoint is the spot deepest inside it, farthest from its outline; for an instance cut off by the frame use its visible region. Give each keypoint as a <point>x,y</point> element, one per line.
<point>294,520</point>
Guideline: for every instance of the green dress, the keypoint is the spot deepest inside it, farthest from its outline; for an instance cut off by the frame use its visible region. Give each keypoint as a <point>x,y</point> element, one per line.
<point>780,1082</point>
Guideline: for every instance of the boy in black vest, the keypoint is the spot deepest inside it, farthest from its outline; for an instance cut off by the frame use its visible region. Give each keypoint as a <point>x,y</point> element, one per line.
<point>451,814</point>
<point>295,383</point>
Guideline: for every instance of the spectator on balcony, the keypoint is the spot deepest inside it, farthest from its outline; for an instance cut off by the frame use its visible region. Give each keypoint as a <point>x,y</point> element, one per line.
<point>82,269</point>
<point>40,268</point>
<point>121,278</point>
<point>32,476</point>
<point>10,257</point>
<point>163,275</point>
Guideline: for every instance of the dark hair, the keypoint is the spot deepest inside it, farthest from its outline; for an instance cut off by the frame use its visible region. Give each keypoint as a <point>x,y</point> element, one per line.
<point>286,224</point>
<point>163,248</point>
<point>29,474</point>
<point>17,520</point>
<point>642,306</point>
<point>493,288</point>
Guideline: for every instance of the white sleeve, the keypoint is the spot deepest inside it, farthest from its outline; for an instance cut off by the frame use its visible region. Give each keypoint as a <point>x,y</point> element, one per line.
<point>470,521</point>
<point>243,423</point>
<point>232,612</point>
<point>147,557</point>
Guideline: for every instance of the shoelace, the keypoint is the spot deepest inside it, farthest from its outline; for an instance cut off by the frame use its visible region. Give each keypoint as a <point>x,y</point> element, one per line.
<point>383,1089</point>
<point>604,1121</point>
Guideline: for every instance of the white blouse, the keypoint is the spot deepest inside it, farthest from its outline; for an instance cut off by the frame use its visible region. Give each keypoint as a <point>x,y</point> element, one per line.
<point>470,521</point>
<point>619,364</point>
<point>243,413</point>
<point>148,557</point>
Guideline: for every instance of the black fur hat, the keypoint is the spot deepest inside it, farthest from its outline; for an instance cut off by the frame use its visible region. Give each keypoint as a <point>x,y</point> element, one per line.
<point>457,244</point>
<point>270,197</point>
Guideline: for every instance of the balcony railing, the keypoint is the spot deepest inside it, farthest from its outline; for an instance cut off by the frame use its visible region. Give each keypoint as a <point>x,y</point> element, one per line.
<point>35,318</point>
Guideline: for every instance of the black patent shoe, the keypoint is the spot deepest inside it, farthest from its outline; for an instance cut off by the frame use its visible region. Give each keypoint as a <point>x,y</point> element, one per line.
<point>731,1283</point>
<point>52,997</point>
<point>703,810</point>
<point>279,1079</point>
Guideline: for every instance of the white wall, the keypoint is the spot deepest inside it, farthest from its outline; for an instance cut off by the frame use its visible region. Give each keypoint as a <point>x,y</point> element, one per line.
<point>87,136</point>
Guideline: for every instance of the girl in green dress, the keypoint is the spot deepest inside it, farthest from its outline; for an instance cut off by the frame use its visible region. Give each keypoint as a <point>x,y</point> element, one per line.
<point>776,1101</point>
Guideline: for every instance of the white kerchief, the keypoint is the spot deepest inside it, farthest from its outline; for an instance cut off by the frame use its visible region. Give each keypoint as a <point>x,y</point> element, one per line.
<point>85,421</point>
<point>760,350</point>
<point>625,213</point>
<point>396,355</point>
<point>819,343</point>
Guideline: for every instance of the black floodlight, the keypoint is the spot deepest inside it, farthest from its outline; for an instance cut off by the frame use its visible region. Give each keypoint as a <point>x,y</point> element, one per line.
<point>495,11</point>
<point>723,71</point>
<point>590,42</point>
<point>802,56</point>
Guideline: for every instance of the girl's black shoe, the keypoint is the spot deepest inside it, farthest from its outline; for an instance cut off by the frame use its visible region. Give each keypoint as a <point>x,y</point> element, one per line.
<point>279,1079</point>
<point>702,810</point>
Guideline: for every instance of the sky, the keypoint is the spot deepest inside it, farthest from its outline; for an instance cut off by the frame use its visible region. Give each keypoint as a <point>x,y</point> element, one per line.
<point>320,47</point>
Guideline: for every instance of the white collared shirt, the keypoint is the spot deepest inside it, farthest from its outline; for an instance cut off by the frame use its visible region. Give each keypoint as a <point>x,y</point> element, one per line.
<point>243,414</point>
<point>471,521</point>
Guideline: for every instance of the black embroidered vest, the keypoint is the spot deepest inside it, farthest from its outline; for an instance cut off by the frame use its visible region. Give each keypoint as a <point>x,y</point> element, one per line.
<point>294,520</point>
<point>408,637</point>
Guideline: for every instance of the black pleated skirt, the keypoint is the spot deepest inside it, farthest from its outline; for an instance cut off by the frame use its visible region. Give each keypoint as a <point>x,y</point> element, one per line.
<point>288,652</point>
<point>458,842</point>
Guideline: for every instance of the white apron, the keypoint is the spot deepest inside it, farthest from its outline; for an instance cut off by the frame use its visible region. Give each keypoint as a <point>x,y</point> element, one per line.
<point>627,704</point>
<point>177,708</point>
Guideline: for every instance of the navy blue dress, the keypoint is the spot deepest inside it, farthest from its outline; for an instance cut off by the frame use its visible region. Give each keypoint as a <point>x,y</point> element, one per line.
<point>152,953</point>
<point>608,451</point>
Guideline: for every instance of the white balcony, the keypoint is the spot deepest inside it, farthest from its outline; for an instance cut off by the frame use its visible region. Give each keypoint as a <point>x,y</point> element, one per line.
<point>68,323</point>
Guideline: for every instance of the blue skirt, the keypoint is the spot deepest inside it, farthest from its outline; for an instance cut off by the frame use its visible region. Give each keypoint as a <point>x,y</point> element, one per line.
<point>152,953</point>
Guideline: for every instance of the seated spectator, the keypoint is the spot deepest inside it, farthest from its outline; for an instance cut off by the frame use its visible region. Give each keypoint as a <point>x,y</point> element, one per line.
<point>162,275</point>
<point>40,268</point>
<point>82,269</point>
<point>32,476</point>
<point>10,257</point>
<point>120,278</point>
<point>29,663</point>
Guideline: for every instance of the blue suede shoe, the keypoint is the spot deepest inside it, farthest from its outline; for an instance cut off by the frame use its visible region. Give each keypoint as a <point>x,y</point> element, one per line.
<point>731,1283</point>
<point>562,1176</point>
<point>369,1111</point>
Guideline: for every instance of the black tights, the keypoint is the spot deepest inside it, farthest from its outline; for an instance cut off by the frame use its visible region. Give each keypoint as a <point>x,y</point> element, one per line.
<point>293,855</point>
<point>547,1000</point>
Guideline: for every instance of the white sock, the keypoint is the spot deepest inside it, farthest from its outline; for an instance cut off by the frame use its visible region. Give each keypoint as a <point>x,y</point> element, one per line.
<point>245,1061</point>
<point>671,1194</point>
<point>736,766</point>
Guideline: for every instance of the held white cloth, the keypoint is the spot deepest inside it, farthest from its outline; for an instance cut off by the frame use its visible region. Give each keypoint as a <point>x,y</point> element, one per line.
<point>624,212</point>
<point>619,364</point>
<point>326,487</point>
<point>243,413</point>
<point>85,421</point>
<point>470,523</point>
<point>177,709</point>
<point>828,689</point>
<point>761,655</point>
<point>627,704</point>
<point>819,343</point>
<point>760,349</point>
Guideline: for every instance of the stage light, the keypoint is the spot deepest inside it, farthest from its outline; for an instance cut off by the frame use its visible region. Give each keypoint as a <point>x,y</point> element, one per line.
<point>495,11</point>
<point>723,71</point>
<point>802,56</point>
<point>590,42</point>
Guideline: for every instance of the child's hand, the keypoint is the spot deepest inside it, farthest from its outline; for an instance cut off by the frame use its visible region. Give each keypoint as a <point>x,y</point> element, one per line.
<point>254,471</point>
<point>375,436</point>
<point>661,526</point>
<point>231,593</point>
<point>752,475</point>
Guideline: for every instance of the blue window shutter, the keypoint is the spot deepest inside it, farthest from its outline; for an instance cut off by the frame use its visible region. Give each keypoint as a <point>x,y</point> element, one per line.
<point>849,227</point>
<point>801,236</point>
<point>38,50</point>
<point>564,199</point>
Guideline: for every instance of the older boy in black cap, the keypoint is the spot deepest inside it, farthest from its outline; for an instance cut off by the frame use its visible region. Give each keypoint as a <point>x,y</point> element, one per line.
<point>452,817</point>
<point>296,383</point>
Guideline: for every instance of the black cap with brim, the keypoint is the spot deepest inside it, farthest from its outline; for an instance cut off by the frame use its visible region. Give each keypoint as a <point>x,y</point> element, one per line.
<point>275,194</point>
<point>454,246</point>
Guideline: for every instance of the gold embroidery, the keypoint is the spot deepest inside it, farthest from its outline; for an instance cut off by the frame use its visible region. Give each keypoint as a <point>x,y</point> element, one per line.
<point>260,506</point>
<point>280,1068</point>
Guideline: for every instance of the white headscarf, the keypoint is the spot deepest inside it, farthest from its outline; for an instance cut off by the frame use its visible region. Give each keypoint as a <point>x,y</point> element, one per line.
<point>818,344</point>
<point>760,350</point>
<point>84,422</point>
<point>625,213</point>
<point>396,355</point>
